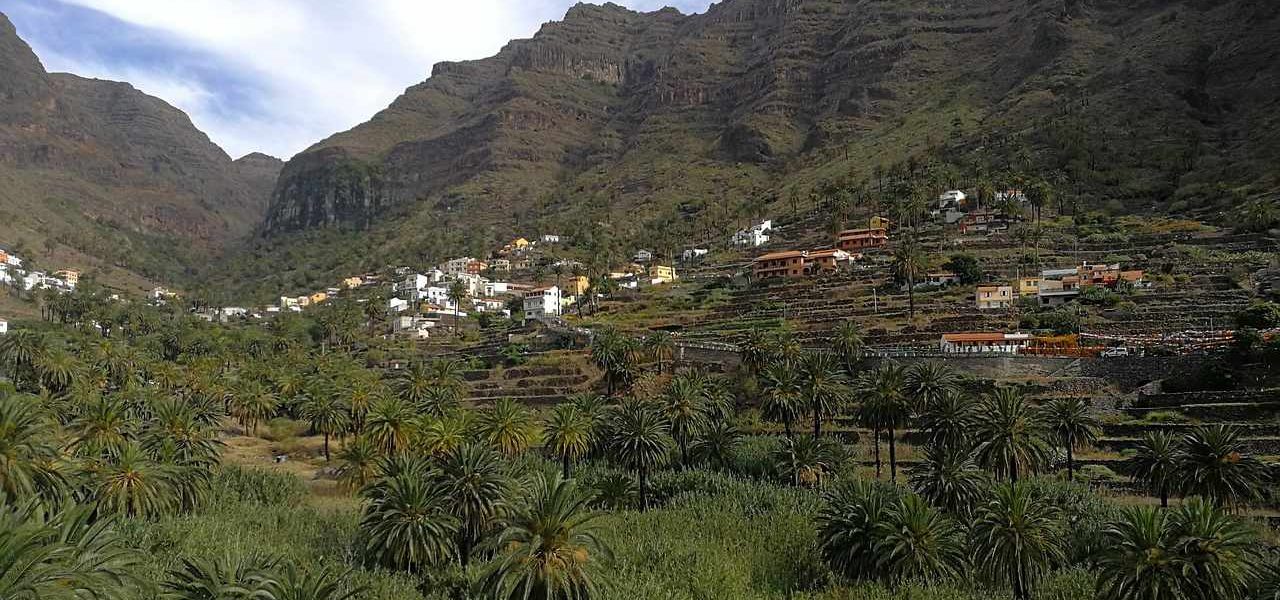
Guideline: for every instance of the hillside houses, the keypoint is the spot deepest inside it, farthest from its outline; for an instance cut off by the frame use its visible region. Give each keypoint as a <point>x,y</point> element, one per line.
<point>754,236</point>
<point>861,240</point>
<point>990,297</point>
<point>794,264</point>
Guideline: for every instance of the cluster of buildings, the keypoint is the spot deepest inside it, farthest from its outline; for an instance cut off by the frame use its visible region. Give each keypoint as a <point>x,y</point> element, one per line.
<point>956,208</point>
<point>849,246</point>
<point>1055,287</point>
<point>13,274</point>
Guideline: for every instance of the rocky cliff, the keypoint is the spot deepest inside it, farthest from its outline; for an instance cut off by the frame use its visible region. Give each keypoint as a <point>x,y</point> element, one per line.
<point>103,171</point>
<point>655,117</point>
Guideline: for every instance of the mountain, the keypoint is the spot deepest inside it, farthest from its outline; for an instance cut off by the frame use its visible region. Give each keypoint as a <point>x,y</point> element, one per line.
<point>669,128</point>
<point>97,175</point>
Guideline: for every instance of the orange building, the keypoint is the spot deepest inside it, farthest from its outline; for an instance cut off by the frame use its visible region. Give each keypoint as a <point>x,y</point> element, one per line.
<point>856,240</point>
<point>789,264</point>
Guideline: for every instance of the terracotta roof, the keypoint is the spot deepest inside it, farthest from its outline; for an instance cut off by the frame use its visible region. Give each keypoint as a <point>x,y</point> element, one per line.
<point>824,253</point>
<point>973,337</point>
<point>778,255</point>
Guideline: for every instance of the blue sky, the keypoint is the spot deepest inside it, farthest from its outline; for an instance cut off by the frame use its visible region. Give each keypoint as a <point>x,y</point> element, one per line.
<point>277,75</point>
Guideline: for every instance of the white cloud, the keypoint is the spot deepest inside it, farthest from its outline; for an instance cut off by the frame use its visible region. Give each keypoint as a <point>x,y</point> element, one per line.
<point>317,66</point>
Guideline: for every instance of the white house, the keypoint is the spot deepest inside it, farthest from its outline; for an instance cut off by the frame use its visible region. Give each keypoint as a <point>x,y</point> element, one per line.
<point>474,284</point>
<point>457,265</point>
<point>396,305</point>
<point>543,302</point>
<point>4,327</point>
<point>33,280</point>
<point>417,327</point>
<point>950,199</point>
<point>550,238</point>
<point>489,305</point>
<point>984,342</point>
<point>494,288</point>
<point>693,254</point>
<point>644,256</point>
<point>5,277</point>
<point>288,302</point>
<point>756,235</point>
<point>226,313</point>
<point>413,282</point>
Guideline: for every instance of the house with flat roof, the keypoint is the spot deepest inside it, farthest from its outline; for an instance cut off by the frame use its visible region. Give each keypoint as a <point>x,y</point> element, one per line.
<point>786,264</point>
<point>857,240</point>
<point>994,296</point>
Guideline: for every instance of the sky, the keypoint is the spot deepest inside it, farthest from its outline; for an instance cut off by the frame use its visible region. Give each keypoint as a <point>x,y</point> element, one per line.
<point>276,76</point>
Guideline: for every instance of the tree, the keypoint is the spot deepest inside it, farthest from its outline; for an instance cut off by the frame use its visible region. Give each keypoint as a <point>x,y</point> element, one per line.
<point>478,487</point>
<point>252,403</point>
<point>715,445</point>
<point>949,421</point>
<point>1213,464</point>
<point>456,292</point>
<point>849,345</point>
<point>1069,419</point>
<point>328,415</point>
<point>660,346</point>
<point>1155,464</point>
<point>950,479</point>
<point>248,577</point>
<point>822,387</point>
<point>1194,552</point>
<point>782,394</point>
<point>294,583</point>
<point>614,354</point>
<point>909,263</point>
<point>407,523</point>
<point>568,434</point>
<point>805,460</point>
<point>63,553</point>
<point>19,351</point>
<point>684,407</point>
<point>849,523</point>
<point>359,458</point>
<point>885,406</point>
<point>966,267</point>
<point>916,542</point>
<point>1015,538</point>
<point>391,424</point>
<point>550,547</point>
<point>508,426</point>
<point>641,440</point>
<point>1012,434</point>
<point>133,484</point>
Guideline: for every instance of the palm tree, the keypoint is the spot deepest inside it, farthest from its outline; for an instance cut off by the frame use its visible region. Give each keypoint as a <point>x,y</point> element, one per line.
<point>294,583</point>
<point>885,404</point>
<point>247,577</point>
<point>1138,559</point>
<point>131,483</point>
<point>550,547</point>
<point>660,346</point>
<point>478,486</point>
<point>1213,464</point>
<point>916,542</point>
<point>252,403</point>
<point>716,444</point>
<point>1070,420</point>
<point>102,427</point>
<point>782,393</point>
<point>438,436</point>
<point>63,553</point>
<point>614,354</point>
<point>1155,464</point>
<point>949,421</point>
<point>391,424</point>
<point>509,427</point>
<point>909,263</point>
<point>849,345</point>
<point>407,523</point>
<point>1015,538</point>
<point>684,406</point>
<point>1217,553</point>
<point>641,440</point>
<point>949,479</point>
<point>822,386</point>
<point>328,415</point>
<point>806,460</point>
<point>57,370</point>
<point>569,434</point>
<point>19,350</point>
<point>1012,434</point>
<point>926,383</point>
<point>359,458</point>
<point>456,292</point>
<point>849,524</point>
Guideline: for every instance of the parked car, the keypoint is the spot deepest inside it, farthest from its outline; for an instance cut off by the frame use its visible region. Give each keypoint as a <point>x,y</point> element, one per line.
<point>1114,352</point>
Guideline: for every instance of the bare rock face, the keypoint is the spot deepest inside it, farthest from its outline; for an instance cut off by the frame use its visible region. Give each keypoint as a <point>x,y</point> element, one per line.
<point>80,151</point>
<point>633,107</point>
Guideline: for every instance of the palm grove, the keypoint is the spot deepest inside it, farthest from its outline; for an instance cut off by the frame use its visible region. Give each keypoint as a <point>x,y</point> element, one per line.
<point>113,416</point>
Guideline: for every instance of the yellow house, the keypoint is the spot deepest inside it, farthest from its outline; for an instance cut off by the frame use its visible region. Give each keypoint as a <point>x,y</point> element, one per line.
<point>994,296</point>
<point>70,276</point>
<point>519,243</point>
<point>319,297</point>
<point>577,285</point>
<point>1028,286</point>
<point>662,274</point>
<point>352,283</point>
<point>878,223</point>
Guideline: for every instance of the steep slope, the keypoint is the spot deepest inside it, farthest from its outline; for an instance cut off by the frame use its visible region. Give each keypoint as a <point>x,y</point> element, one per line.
<point>663,129</point>
<point>101,176</point>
